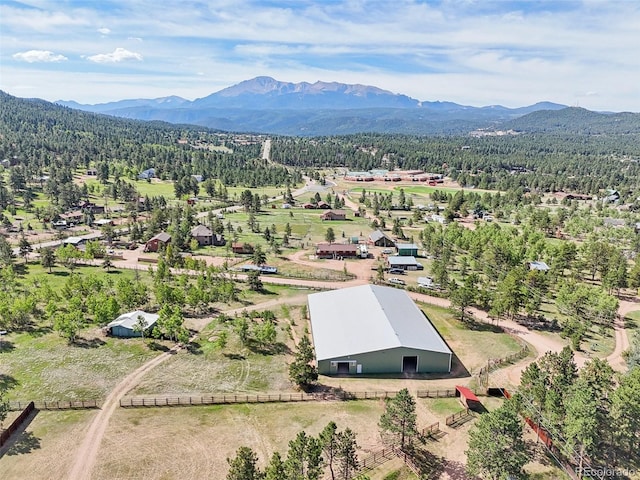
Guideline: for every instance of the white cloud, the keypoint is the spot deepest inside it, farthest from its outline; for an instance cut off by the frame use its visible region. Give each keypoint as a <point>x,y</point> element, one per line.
<point>118,55</point>
<point>33,56</point>
<point>104,30</point>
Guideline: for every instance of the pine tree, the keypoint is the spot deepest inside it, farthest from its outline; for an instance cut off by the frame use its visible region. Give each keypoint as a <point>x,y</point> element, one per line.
<point>244,466</point>
<point>496,447</point>
<point>398,421</point>
<point>301,372</point>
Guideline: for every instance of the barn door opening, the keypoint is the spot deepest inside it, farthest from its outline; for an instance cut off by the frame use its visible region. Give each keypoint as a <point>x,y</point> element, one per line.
<point>343,367</point>
<point>409,364</point>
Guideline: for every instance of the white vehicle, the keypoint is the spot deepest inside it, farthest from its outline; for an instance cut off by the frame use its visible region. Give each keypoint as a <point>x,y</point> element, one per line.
<point>387,251</point>
<point>396,281</point>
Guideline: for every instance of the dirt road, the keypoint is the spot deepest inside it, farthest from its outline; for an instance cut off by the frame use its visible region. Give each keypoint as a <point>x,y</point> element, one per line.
<point>86,455</point>
<point>622,339</point>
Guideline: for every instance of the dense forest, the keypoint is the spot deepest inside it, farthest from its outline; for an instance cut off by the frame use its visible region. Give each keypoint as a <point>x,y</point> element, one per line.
<point>56,140</point>
<point>544,162</point>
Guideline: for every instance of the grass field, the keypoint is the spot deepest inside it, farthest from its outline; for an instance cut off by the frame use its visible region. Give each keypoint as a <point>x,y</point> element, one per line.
<point>473,347</point>
<point>207,436</point>
<point>42,366</point>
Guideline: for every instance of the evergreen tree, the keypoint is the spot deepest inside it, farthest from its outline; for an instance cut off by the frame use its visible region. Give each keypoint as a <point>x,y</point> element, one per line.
<point>301,372</point>
<point>304,458</point>
<point>48,258</point>
<point>496,447</point>
<point>398,422</point>
<point>244,466</point>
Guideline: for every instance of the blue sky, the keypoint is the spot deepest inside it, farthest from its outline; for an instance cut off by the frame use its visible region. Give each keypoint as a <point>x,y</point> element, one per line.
<point>473,52</point>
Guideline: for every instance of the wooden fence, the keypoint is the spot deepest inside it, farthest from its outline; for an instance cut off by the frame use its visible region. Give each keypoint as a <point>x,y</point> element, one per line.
<point>436,393</point>
<point>375,459</point>
<point>5,435</point>
<point>457,417</point>
<point>495,363</point>
<point>174,401</point>
<point>431,431</point>
<point>56,405</point>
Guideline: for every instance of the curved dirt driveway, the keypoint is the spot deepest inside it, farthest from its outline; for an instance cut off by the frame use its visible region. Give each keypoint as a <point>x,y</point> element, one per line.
<point>622,339</point>
<point>86,455</point>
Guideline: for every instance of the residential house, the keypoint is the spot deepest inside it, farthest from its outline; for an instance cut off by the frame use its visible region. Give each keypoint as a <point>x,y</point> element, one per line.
<point>337,250</point>
<point>334,215</point>
<point>380,239</point>
<point>205,236</point>
<point>147,174</point>
<point>156,242</point>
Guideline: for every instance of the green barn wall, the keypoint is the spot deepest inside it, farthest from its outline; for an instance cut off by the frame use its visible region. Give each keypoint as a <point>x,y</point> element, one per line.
<point>389,361</point>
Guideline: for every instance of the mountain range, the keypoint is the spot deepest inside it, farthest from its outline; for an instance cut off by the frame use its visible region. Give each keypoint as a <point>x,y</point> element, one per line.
<point>266,105</point>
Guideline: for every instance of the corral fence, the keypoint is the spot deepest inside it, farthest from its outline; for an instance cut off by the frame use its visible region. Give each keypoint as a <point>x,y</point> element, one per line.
<point>495,363</point>
<point>379,457</point>
<point>431,431</point>
<point>6,434</point>
<point>375,459</point>
<point>448,393</point>
<point>56,405</point>
<point>175,401</point>
<point>458,417</point>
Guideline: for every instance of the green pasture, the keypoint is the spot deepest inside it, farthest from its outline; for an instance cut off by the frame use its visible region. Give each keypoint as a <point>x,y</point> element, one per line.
<point>472,346</point>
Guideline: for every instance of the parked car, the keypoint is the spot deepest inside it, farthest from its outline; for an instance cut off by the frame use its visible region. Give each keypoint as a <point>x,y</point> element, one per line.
<point>397,271</point>
<point>396,281</point>
<point>387,251</point>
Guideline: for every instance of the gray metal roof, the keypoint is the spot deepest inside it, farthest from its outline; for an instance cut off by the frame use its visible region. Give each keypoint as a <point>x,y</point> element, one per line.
<point>128,320</point>
<point>397,260</point>
<point>406,246</point>
<point>369,318</point>
<point>377,235</point>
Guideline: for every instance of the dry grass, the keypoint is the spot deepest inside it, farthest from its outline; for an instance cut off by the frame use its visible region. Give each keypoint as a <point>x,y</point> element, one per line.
<point>42,451</point>
<point>46,367</point>
<point>139,443</point>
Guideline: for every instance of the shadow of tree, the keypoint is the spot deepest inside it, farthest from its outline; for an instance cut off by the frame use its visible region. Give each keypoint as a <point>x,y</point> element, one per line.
<point>457,471</point>
<point>194,348</point>
<point>27,442</point>
<point>234,356</point>
<point>94,342</point>
<point>7,382</point>
<point>6,346</point>
<point>157,347</point>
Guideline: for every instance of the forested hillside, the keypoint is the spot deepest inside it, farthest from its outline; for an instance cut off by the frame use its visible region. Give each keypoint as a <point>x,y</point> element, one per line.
<point>46,138</point>
<point>546,162</point>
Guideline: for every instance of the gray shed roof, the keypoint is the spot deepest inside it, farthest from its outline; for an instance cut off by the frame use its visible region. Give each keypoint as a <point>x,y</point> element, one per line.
<point>377,235</point>
<point>397,260</point>
<point>406,246</point>
<point>128,320</point>
<point>369,318</point>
